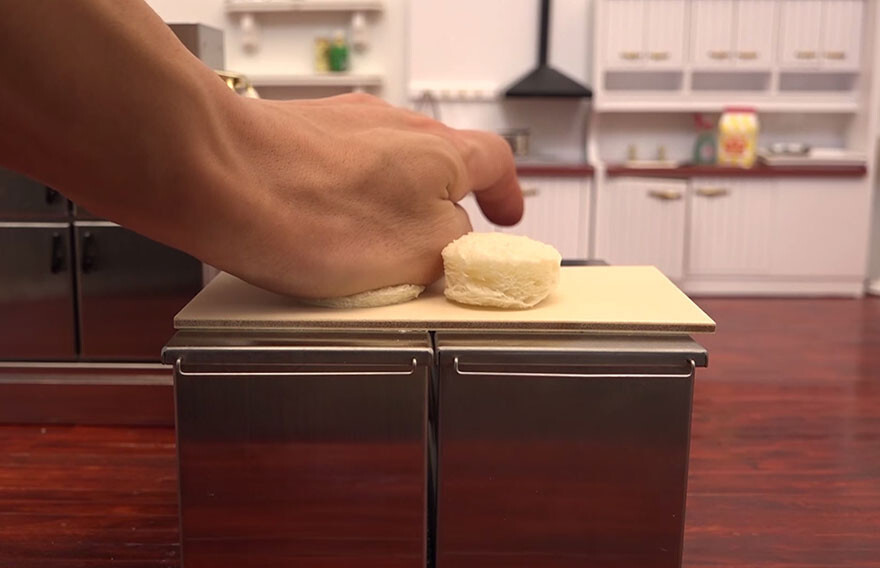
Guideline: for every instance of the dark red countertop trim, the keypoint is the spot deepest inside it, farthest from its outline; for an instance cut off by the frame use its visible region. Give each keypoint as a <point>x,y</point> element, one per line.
<point>557,170</point>
<point>757,171</point>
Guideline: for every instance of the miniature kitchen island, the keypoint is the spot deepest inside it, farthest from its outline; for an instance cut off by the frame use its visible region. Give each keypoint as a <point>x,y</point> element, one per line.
<point>429,432</point>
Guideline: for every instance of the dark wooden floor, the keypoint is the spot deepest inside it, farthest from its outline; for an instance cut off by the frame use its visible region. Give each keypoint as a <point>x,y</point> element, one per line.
<point>785,459</point>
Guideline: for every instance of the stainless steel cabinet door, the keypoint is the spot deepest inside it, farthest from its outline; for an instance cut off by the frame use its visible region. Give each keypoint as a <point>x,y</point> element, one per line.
<point>561,451</point>
<point>36,292</point>
<point>25,199</point>
<point>314,458</point>
<point>130,288</point>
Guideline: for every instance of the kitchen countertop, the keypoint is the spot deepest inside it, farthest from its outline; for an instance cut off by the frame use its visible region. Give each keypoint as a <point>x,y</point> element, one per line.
<point>537,167</point>
<point>690,171</point>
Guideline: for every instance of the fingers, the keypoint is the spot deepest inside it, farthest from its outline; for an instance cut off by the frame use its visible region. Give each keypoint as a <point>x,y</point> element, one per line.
<point>491,175</point>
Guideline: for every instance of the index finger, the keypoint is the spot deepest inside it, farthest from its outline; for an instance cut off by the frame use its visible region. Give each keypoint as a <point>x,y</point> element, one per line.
<point>491,175</point>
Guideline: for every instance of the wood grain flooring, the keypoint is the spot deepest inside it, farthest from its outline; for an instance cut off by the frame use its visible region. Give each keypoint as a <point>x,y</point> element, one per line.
<point>785,457</point>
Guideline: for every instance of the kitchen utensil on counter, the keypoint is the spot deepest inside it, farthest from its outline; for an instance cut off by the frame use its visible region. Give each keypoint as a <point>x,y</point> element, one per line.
<point>738,137</point>
<point>810,156</point>
<point>430,430</point>
<point>518,140</point>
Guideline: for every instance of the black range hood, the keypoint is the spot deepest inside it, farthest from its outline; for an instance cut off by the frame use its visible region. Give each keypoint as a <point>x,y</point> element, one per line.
<point>545,81</point>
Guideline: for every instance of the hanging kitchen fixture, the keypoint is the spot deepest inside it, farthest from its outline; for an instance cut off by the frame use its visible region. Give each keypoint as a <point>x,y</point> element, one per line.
<point>544,80</point>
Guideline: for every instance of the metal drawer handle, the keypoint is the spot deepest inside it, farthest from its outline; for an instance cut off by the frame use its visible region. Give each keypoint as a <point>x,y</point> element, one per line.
<point>748,54</point>
<point>57,260</point>
<point>838,55</point>
<point>630,55</point>
<point>805,54</point>
<point>712,191</point>
<point>87,263</point>
<point>659,55</point>
<point>717,54</point>
<point>530,192</point>
<point>456,365</point>
<point>178,370</point>
<point>665,194</point>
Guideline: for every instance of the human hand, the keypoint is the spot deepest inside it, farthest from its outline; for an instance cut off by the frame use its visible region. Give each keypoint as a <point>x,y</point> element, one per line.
<point>335,196</point>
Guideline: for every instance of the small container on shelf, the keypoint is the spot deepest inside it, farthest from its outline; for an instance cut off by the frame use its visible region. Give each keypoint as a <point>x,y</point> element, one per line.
<point>705,146</point>
<point>338,52</point>
<point>738,137</point>
<point>322,54</point>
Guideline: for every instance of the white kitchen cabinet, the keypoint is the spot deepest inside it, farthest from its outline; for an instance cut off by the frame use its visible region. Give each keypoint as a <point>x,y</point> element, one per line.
<point>624,33</point>
<point>642,222</point>
<point>823,34</point>
<point>664,33</point>
<point>732,33</point>
<point>643,33</point>
<point>842,34</point>
<point>821,228</point>
<point>556,212</point>
<point>712,26</point>
<point>801,29</point>
<point>755,33</point>
<point>732,226</point>
<point>478,220</point>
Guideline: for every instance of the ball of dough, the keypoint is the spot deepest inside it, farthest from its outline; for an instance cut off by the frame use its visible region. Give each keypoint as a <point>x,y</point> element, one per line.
<point>370,298</point>
<point>500,270</point>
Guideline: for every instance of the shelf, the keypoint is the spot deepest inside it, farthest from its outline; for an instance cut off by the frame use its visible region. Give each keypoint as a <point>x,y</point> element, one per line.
<point>251,6</point>
<point>690,171</point>
<point>317,80</point>
<point>680,104</point>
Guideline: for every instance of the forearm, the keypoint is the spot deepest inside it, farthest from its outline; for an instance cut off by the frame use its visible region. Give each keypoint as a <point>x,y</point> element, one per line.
<point>101,101</point>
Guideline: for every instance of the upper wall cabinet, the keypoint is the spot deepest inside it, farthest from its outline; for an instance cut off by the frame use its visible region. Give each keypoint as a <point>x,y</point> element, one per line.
<point>733,33</point>
<point>644,33</point>
<point>821,33</point>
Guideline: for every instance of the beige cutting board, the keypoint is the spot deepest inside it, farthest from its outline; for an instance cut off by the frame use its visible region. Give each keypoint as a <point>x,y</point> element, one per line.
<point>588,298</point>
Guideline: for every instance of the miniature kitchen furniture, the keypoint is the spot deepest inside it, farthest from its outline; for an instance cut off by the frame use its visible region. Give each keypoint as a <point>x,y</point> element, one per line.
<point>429,431</point>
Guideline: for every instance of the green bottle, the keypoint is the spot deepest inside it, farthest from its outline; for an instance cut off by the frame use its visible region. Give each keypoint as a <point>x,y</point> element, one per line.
<point>705,149</point>
<point>338,53</point>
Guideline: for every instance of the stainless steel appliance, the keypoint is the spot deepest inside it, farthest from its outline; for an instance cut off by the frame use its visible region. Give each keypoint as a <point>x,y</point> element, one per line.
<point>302,449</point>
<point>466,448</point>
<point>74,288</point>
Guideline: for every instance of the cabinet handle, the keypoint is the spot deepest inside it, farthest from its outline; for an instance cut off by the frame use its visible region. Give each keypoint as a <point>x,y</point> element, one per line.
<point>712,191</point>
<point>56,263</point>
<point>838,55</point>
<point>718,54</point>
<point>659,55</point>
<point>87,262</point>
<point>530,192</point>
<point>630,55</point>
<point>665,194</point>
<point>805,54</point>
<point>749,55</point>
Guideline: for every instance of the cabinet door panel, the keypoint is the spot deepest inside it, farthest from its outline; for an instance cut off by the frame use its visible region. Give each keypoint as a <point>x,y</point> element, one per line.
<point>732,227</point>
<point>755,33</point>
<point>823,228</point>
<point>842,34</point>
<point>712,25</point>
<point>555,213</point>
<point>624,33</point>
<point>642,222</point>
<point>801,28</point>
<point>664,39</point>
<point>130,288</point>
<point>36,292</point>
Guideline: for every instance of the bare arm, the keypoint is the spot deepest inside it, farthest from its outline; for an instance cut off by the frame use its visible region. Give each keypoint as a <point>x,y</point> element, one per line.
<point>313,198</point>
